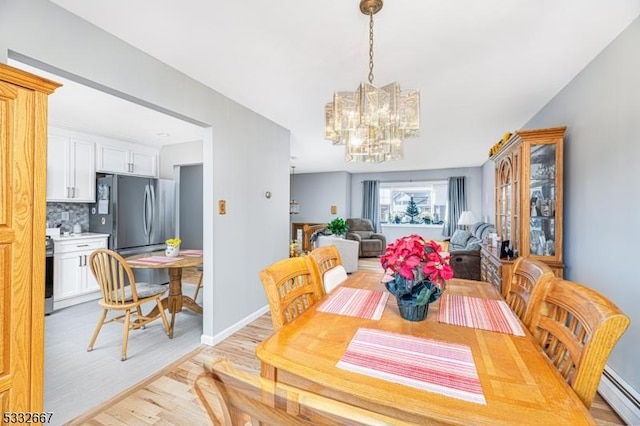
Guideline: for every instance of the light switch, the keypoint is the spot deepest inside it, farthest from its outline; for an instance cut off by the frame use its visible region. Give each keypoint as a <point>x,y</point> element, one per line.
<point>222,207</point>
<point>334,209</point>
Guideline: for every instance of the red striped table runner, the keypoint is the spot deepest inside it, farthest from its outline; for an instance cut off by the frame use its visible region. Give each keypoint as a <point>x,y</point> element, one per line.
<point>427,364</point>
<point>155,260</point>
<point>475,312</point>
<point>353,302</point>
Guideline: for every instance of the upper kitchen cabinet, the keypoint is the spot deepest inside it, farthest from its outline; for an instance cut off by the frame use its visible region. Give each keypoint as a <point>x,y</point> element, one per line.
<point>125,158</point>
<point>71,173</point>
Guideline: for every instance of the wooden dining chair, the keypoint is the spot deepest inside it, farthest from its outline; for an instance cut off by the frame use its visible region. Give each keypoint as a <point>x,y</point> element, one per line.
<point>233,397</point>
<point>330,266</point>
<point>527,274</point>
<point>292,286</point>
<point>577,328</point>
<point>200,270</point>
<point>120,292</point>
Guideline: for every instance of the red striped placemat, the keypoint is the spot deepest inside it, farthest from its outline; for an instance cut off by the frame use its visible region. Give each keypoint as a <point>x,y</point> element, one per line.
<point>354,302</point>
<point>427,364</point>
<point>474,312</point>
<point>155,260</point>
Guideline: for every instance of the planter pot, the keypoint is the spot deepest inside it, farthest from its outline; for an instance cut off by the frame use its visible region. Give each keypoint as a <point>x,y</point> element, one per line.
<point>407,303</point>
<point>172,251</point>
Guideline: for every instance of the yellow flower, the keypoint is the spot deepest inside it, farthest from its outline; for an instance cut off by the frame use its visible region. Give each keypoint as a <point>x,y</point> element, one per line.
<point>173,242</point>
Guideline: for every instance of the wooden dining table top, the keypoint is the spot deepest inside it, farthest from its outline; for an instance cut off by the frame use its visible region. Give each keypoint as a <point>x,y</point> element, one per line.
<point>177,262</point>
<point>519,384</point>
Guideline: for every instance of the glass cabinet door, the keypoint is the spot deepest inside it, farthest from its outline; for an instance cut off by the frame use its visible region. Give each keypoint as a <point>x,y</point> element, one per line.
<point>543,200</point>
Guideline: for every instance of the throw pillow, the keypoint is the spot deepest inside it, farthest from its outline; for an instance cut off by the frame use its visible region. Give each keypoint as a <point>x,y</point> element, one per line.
<point>473,244</point>
<point>459,238</point>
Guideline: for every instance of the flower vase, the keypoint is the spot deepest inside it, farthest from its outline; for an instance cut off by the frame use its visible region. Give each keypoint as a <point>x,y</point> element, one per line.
<point>172,251</point>
<point>408,305</point>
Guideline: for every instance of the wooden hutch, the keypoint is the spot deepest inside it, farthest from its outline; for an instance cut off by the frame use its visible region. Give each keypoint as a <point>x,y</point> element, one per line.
<point>528,179</point>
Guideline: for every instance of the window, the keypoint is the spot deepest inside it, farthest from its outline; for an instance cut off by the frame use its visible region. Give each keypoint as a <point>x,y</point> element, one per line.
<point>413,202</point>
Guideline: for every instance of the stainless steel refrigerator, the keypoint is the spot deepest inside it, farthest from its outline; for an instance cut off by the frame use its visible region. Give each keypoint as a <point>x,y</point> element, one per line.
<point>139,215</point>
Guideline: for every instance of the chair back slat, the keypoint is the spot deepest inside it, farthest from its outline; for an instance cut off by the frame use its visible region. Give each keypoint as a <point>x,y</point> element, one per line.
<point>577,328</point>
<point>327,257</point>
<point>527,274</point>
<point>292,286</point>
<point>114,277</point>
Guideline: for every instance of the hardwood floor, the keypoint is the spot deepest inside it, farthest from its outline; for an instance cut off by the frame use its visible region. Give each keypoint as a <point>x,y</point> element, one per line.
<point>168,397</point>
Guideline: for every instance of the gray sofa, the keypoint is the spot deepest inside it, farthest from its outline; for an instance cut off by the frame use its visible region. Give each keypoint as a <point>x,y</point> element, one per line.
<point>464,247</point>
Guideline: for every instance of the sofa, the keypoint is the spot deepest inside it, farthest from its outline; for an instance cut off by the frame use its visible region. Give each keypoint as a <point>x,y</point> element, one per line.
<point>464,246</point>
<point>372,244</point>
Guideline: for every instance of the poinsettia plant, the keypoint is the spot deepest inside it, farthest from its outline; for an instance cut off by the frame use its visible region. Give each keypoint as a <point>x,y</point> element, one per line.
<point>414,265</point>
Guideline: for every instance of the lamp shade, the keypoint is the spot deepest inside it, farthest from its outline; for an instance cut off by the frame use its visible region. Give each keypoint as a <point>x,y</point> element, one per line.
<point>466,218</point>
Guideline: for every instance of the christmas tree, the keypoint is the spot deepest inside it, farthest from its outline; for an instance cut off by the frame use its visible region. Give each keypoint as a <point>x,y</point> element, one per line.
<point>412,210</point>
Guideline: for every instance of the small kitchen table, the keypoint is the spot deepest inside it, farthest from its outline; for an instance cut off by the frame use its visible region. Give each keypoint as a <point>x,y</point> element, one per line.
<point>176,300</point>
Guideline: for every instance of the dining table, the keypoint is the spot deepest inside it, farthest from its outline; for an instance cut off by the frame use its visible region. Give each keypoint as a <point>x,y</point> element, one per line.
<point>176,300</point>
<point>471,361</point>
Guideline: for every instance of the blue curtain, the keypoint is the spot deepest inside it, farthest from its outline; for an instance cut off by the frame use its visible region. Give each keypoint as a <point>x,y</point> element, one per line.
<point>457,203</point>
<point>371,202</point>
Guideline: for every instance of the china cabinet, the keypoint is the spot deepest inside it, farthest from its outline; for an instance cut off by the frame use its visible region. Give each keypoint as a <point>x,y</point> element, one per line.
<point>528,182</point>
<point>23,161</point>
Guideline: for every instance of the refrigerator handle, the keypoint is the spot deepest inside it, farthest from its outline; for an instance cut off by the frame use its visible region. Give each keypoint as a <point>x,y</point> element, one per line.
<point>145,224</point>
<point>153,208</point>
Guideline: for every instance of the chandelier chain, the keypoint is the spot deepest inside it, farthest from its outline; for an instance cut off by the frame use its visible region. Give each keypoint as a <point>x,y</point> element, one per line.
<point>371,46</point>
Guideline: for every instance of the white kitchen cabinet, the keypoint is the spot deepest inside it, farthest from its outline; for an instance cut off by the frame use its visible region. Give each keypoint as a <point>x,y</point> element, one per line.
<point>127,159</point>
<point>73,281</point>
<point>71,175</point>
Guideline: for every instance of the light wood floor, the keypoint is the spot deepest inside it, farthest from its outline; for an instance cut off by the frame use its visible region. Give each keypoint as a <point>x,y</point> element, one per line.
<point>168,397</point>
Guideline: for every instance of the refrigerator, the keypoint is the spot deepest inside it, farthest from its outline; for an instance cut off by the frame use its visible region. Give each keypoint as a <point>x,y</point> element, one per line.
<point>138,213</point>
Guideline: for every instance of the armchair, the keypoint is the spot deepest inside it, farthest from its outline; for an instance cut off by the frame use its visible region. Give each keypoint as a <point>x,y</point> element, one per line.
<point>372,244</point>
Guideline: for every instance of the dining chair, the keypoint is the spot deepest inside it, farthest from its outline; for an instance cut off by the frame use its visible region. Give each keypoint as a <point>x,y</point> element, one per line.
<point>577,328</point>
<point>120,292</point>
<point>292,286</point>
<point>527,274</point>
<point>330,266</point>
<point>234,397</point>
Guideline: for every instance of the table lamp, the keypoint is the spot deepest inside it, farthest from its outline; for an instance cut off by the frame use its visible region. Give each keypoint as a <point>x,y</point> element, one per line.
<point>466,219</point>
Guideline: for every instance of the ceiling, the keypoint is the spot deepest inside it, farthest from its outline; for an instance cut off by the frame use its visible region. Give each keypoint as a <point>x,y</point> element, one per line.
<point>483,67</point>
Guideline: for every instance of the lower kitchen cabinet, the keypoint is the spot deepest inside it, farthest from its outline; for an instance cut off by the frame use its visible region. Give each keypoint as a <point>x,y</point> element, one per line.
<point>73,281</point>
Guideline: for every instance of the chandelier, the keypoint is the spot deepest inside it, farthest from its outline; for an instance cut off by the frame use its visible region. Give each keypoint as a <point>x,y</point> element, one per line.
<point>372,122</point>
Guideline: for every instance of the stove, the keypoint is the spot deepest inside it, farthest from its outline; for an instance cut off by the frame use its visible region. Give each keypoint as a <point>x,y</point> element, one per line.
<point>48,276</point>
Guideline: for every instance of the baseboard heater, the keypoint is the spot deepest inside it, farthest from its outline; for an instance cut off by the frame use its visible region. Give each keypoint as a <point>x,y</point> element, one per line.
<point>623,398</point>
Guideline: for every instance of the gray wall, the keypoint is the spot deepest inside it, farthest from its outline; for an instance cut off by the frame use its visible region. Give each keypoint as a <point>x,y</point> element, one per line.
<point>190,206</point>
<point>243,153</point>
<point>317,192</point>
<point>601,109</point>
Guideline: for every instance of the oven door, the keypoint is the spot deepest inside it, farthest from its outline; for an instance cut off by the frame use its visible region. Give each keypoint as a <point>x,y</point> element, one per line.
<point>48,283</point>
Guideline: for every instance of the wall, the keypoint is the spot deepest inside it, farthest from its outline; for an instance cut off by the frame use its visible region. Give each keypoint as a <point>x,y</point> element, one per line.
<point>600,108</point>
<point>243,152</point>
<point>180,154</point>
<point>317,192</point>
<point>489,192</point>
<point>78,213</point>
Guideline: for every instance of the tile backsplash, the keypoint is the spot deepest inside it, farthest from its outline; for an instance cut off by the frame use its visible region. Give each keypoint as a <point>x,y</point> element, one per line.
<point>78,213</point>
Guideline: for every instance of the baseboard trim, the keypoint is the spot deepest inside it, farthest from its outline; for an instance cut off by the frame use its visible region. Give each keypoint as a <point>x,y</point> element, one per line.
<point>214,340</point>
<point>623,399</point>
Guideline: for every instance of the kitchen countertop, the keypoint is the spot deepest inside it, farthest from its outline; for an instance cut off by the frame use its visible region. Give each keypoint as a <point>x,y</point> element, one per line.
<point>82,236</point>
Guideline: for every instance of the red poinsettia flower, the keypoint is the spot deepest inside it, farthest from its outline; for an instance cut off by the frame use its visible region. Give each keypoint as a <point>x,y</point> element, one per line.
<point>412,258</point>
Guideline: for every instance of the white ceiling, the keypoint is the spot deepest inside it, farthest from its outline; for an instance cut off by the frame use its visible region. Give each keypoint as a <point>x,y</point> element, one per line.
<point>483,67</point>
